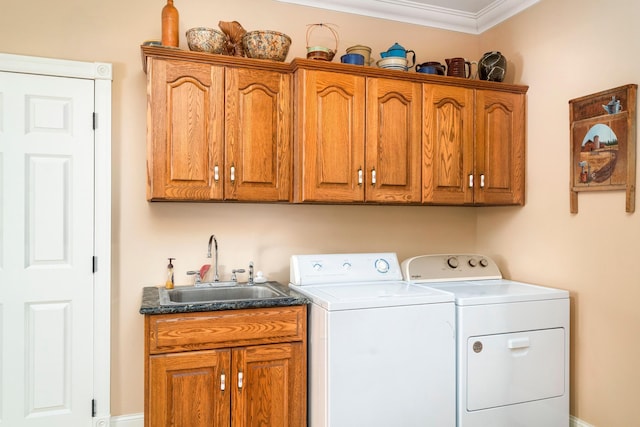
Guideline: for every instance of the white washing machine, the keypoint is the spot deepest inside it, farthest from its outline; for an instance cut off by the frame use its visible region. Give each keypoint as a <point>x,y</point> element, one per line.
<point>512,342</point>
<point>381,351</point>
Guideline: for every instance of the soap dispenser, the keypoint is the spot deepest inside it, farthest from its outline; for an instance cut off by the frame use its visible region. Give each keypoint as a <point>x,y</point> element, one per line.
<point>169,283</point>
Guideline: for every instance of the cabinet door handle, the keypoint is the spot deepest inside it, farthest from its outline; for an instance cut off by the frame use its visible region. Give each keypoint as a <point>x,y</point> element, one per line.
<point>240,378</point>
<point>373,176</point>
<point>216,173</point>
<point>223,382</point>
<point>360,176</point>
<point>233,173</point>
<point>482,181</point>
<point>470,180</point>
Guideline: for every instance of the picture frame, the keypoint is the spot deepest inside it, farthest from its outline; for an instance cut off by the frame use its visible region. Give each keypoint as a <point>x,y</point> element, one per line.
<point>603,143</point>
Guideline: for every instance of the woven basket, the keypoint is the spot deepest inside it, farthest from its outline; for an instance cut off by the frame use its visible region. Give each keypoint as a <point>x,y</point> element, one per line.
<point>315,51</point>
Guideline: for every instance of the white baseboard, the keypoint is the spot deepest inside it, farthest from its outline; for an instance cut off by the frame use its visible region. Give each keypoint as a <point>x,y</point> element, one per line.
<point>577,422</point>
<point>135,420</point>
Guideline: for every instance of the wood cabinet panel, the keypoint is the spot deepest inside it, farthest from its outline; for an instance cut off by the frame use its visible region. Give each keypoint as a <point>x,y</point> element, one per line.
<point>258,127</point>
<point>271,386</point>
<point>184,130</point>
<point>223,128</point>
<point>330,136</point>
<point>500,150</point>
<point>216,329</point>
<point>189,389</point>
<point>393,146</point>
<point>255,373</point>
<point>447,144</point>
<point>473,146</point>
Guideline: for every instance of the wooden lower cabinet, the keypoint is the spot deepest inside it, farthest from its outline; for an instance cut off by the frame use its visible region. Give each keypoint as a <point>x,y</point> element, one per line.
<point>260,382</point>
<point>188,389</point>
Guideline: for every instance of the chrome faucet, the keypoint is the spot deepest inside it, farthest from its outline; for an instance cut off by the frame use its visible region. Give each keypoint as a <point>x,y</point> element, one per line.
<point>216,277</point>
<point>250,282</point>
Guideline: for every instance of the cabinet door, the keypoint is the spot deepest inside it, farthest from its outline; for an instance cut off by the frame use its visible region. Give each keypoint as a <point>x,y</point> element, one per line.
<point>184,130</point>
<point>257,135</point>
<point>393,141</point>
<point>271,386</point>
<point>330,141</point>
<point>189,389</point>
<point>447,149</point>
<point>500,148</point>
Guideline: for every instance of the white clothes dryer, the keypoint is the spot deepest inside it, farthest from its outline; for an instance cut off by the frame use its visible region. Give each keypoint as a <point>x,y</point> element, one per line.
<point>381,351</point>
<point>512,345</point>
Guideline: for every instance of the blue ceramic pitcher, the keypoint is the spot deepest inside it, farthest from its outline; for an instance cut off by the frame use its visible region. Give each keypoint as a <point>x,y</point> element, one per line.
<point>399,51</point>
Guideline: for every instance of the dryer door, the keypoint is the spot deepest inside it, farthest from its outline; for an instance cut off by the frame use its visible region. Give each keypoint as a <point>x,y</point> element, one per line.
<point>506,369</point>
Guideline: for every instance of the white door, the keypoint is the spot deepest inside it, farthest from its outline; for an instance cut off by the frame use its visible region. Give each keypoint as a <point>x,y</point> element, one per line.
<point>46,250</point>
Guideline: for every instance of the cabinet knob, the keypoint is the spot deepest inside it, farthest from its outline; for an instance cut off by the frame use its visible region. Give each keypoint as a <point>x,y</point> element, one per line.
<point>373,177</point>
<point>470,180</point>
<point>223,382</point>
<point>216,173</point>
<point>360,176</point>
<point>482,181</point>
<point>240,378</point>
<point>233,174</point>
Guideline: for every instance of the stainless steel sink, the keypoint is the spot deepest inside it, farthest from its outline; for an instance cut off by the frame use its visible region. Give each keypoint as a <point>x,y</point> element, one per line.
<point>218,293</point>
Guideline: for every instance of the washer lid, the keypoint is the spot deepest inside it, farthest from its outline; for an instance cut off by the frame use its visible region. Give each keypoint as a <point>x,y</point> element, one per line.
<point>363,295</point>
<point>496,291</point>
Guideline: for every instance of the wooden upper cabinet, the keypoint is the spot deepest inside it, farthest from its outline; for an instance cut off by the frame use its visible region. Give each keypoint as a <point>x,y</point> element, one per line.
<point>330,137</point>
<point>447,144</point>
<point>185,115</point>
<point>393,144</point>
<point>500,148</point>
<point>258,135</point>
<point>218,132</point>
<point>226,128</point>
<point>358,139</point>
<point>473,146</point>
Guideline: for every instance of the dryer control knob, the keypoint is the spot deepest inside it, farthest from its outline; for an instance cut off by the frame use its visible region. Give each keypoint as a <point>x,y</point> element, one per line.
<point>484,262</point>
<point>452,262</point>
<point>473,262</point>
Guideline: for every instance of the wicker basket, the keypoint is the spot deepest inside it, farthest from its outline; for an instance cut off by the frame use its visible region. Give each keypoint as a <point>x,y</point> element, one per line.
<point>315,51</point>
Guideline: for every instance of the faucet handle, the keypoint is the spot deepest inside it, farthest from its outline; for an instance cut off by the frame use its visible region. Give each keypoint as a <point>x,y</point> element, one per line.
<point>233,273</point>
<point>195,273</point>
<point>250,281</point>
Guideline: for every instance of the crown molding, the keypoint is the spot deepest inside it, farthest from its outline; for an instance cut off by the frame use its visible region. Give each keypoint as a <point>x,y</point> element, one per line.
<point>428,15</point>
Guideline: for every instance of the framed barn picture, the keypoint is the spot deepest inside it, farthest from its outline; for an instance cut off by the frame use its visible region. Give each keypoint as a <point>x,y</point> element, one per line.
<point>603,143</point>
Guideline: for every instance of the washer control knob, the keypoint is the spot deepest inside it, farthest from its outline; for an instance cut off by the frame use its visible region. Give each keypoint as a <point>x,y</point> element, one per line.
<point>382,265</point>
<point>317,266</point>
<point>346,265</point>
<point>473,262</point>
<point>452,262</point>
<point>484,262</point>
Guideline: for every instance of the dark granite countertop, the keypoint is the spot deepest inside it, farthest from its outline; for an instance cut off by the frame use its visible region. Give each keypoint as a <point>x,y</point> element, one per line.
<point>151,302</point>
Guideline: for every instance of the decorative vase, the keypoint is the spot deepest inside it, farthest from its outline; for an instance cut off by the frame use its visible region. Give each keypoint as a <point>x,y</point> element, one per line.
<point>492,67</point>
<point>170,25</point>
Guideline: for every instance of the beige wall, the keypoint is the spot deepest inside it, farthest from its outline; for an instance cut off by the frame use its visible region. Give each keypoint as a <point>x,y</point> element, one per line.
<point>561,49</point>
<point>564,50</point>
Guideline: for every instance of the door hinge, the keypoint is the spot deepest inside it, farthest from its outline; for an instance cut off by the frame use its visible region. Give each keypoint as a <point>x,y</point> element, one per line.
<point>93,408</point>
<point>95,263</point>
<point>95,121</point>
